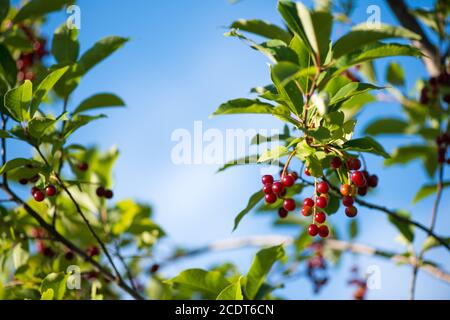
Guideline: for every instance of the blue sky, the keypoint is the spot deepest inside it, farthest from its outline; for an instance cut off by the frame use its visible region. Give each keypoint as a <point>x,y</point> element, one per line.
<point>176,69</point>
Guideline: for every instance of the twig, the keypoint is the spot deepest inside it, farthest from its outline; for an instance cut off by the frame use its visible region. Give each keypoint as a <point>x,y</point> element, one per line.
<point>125,266</point>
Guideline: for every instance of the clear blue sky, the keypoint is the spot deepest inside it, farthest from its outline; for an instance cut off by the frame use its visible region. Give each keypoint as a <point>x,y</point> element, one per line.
<point>177,69</point>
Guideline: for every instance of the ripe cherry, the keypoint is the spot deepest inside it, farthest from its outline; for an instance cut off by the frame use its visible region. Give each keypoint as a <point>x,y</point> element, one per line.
<point>347,201</point>
<point>154,268</point>
<point>282,212</point>
<point>282,193</point>
<point>307,172</point>
<point>108,194</point>
<point>373,181</point>
<point>50,190</point>
<point>92,251</point>
<point>270,198</point>
<point>362,191</point>
<point>267,179</point>
<point>313,230</point>
<point>320,217</point>
<point>323,187</point>
<point>69,255</point>
<point>277,187</point>
<point>100,191</point>
<point>336,163</point>
<point>351,212</point>
<point>321,202</point>
<point>308,202</point>
<point>324,231</point>
<point>289,204</point>
<point>288,181</point>
<point>23,181</point>
<point>33,190</point>
<point>346,189</point>
<point>358,179</point>
<point>48,252</point>
<point>39,196</point>
<point>306,211</point>
<point>294,175</point>
<point>83,166</point>
<point>354,164</point>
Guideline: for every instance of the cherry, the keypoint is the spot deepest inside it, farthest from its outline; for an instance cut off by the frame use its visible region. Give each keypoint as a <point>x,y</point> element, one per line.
<point>424,98</point>
<point>277,187</point>
<point>39,196</point>
<point>358,179</point>
<point>433,81</point>
<point>282,212</point>
<point>294,175</point>
<point>351,212</point>
<point>23,181</point>
<point>321,202</point>
<point>353,164</point>
<point>441,155</point>
<point>282,193</point>
<point>108,194</point>
<point>270,198</point>
<point>50,190</point>
<point>307,172</point>
<point>362,191</point>
<point>48,252</point>
<point>289,204</point>
<point>92,251</point>
<point>154,268</point>
<point>320,217</point>
<point>346,189</point>
<point>306,211</point>
<point>83,166</point>
<point>69,255</point>
<point>288,181</point>
<point>373,181</point>
<point>336,163</point>
<point>366,174</point>
<point>323,187</point>
<point>266,189</point>
<point>308,202</point>
<point>40,246</point>
<point>347,201</point>
<point>313,230</point>
<point>267,179</point>
<point>100,191</point>
<point>324,231</point>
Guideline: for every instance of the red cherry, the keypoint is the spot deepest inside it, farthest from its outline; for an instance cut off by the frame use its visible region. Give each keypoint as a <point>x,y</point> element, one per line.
<point>48,252</point>
<point>306,211</point>
<point>100,191</point>
<point>307,172</point>
<point>108,194</point>
<point>282,193</point>
<point>33,190</point>
<point>347,201</point>
<point>324,231</point>
<point>83,166</point>
<point>358,179</point>
<point>50,190</point>
<point>313,230</point>
<point>289,204</point>
<point>354,164</point>
<point>336,163</point>
<point>23,181</point>
<point>323,187</point>
<point>288,181</point>
<point>362,191</point>
<point>277,187</point>
<point>267,179</point>
<point>92,251</point>
<point>270,198</point>
<point>373,181</point>
<point>320,217</point>
<point>294,175</point>
<point>321,202</point>
<point>69,255</point>
<point>154,268</point>
<point>308,202</point>
<point>282,212</point>
<point>39,196</point>
<point>351,212</point>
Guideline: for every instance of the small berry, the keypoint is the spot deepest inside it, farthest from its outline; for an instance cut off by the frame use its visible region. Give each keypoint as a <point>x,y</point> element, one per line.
<point>313,230</point>
<point>267,179</point>
<point>294,175</point>
<point>40,246</point>
<point>373,181</point>
<point>270,198</point>
<point>50,190</point>
<point>308,202</point>
<point>289,204</point>
<point>100,191</point>
<point>320,217</point>
<point>358,179</point>
<point>354,164</point>
<point>336,163</point>
<point>366,174</point>
<point>362,191</point>
<point>288,181</point>
<point>23,181</point>
<point>277,187</point>
<point>347,201</point>
<point>69,255</point>
<point>282,193</point>
<point>267,189</point>
<point>92,251</point>
<point>346,189</point>
<point>323,187</point>
<point>48,252</point>
<point>306,211</point>
<point>108,194</point>
<point>154,268</point>
<point>282,212</point>
<point>39,196</point>
<point>307,172</point>
<point>351,212</point>
<point>33,190</point>
<point>321,202</point>
<point>83,166</point>
<point>324,231</point>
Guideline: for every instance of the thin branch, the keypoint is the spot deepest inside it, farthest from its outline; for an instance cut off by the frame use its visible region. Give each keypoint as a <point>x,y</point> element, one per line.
<point>125,266</point>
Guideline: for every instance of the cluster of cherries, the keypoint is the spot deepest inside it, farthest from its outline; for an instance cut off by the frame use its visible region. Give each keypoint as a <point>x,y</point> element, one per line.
<point>431,90</point>
<point>39,195</point>
<point>443,142</point>
<point>312,208</point>
<point>275,190</point>
<point>317,268</point>
<point>104,193</point>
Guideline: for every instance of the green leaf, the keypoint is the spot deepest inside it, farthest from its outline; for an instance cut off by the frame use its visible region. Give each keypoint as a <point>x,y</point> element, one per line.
<point>242,105</point>
<point>100,51</point>
<point>17,101</point>
<point>38,8</point>
<point>209,282</point>
<point>386,126</point>
<point>15,163</point>
<point>351,89</point>
<point>273,154</point>
<point>366,144</point>
<point>4,9</point>
<point>8,68</point>
<point>65,46</point>
<point>406,229</point>
<point>253,159</point>
<point>4,134</point>
<point>55,282</point>
<point>47,295</point>
<point>314,166</point>
<point>38,126</point>
<point>353,228</point>
<point>100,100</point>
<point>252,202</point>
<point>290,13</point>
<point>405,154</point>
<point>263,29</point>
<point>395,74</point>
<point>428,190</point>
<point>364,34</point>
<point>20,256</point>
<point>45,86</point>
<point>431,242</point>
<point>261,265</point>
<point>317,26</point>
<point>232,291</point>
